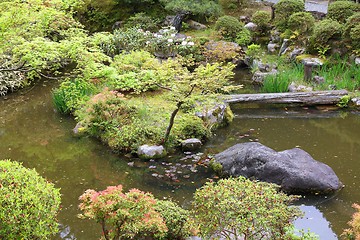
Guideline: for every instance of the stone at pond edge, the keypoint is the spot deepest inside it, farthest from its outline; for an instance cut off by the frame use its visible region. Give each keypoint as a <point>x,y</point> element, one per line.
<point>196,25</point>
<point>217,116</point>
<point>251,26</point>
<point>147,152</point>
<point>294,170</point>
<point>259,76</point>
<point>78,130</point>
<point>191,144</point>
<point>293,87</point>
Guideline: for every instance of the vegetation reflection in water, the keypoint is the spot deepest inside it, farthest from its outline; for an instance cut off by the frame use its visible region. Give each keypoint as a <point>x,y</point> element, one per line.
<point>33,133</point>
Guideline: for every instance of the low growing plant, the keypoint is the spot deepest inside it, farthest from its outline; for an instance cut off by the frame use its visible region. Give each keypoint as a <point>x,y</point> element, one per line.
<point>29,204</point>
<point>353,233</point>
<point>238,208</point>
<point>177,220</point>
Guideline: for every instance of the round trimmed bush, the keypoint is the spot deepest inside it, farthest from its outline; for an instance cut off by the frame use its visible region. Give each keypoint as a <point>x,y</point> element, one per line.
<point>284,9</point>
<point>228,27</point>
<point>243,208</point>
<point>324,31</point>
<point>355,36</point>
<point>262,20</point>
<point>342,10</point>
<point>351,22</point>
<point>303,22</point>
<point>29,204</point>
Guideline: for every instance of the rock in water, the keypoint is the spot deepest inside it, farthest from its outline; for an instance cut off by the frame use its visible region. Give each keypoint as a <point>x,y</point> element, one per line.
<point>294,169</point>
<point>191,144</point>
<point>147,152</point>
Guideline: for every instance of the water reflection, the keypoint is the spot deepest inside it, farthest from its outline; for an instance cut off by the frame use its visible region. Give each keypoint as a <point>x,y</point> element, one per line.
<point>315,221</point>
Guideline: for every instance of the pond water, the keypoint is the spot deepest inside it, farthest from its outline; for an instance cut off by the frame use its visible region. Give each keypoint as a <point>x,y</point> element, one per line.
<point>33,133</point>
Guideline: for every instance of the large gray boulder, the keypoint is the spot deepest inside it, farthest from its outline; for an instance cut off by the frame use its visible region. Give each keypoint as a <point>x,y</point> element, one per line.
<point>294,170</point>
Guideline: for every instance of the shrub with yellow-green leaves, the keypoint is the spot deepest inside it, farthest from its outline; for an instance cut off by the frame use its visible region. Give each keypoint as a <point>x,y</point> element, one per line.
<point>29,204</point>
<point>238,208</point>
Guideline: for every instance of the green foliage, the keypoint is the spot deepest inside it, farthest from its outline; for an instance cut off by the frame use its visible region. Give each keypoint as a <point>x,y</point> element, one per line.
<point>71,94</point>
<point>340,74</point>
<point>29,204</point>
<point>276,83</point>
<point>99,15</point>
<point>223,51</point>
<point>344,101</point>
<point>47,20</point>
<point>341,10</point>
<point>280,82</point>
<point>353,232</point>
<point>129,39</point>
<point>228,27</point>
<point>262,20</point>
<point>10,80</point>
<point>243,38</point>
<point>201,9</point>
<point>238,208</point>
<point>130,215</point>
<point>324,32</point>
<point>284,9</point>
<point>351,30</point>
<point>253,51</point>
<point>302,22</point>
<point>355,36</point>
<point>177,220</point>
<point>142,21</point>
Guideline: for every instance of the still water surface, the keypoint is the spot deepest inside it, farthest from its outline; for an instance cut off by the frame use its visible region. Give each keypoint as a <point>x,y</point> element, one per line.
<point>33,133</point>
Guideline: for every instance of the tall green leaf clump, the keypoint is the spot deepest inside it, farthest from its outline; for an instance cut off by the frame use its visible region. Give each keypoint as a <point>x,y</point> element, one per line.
<point>29,204</point>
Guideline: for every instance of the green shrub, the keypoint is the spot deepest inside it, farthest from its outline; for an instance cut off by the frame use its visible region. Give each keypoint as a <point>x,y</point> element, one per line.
<point>284,9</point>
<point>200,9</point>
<point>355,36</point>
<point>177,220</point>
<point>130,39</point>
<point>302,22</point>
<point>29,204</point>
<point>222,51</point>
<point>262,20</point>
<point>130,215</point>
<point>243,38</point>
<point>10,80</point>
<point>342,10</point>
<point>142,21</point>
<point>325,31</point>
<point>237,207</point>
<point>228,27</point>
<point>353,232</point>
<point>71,94</point>
<point>351,23</point>
<point>253,51</point>
<point>190,126</point>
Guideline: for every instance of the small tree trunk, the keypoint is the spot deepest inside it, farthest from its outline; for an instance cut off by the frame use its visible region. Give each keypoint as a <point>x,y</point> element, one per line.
<point>171,122</point>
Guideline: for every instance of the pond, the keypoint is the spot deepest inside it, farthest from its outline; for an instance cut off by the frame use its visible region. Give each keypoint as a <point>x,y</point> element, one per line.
<point>32,132</point>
